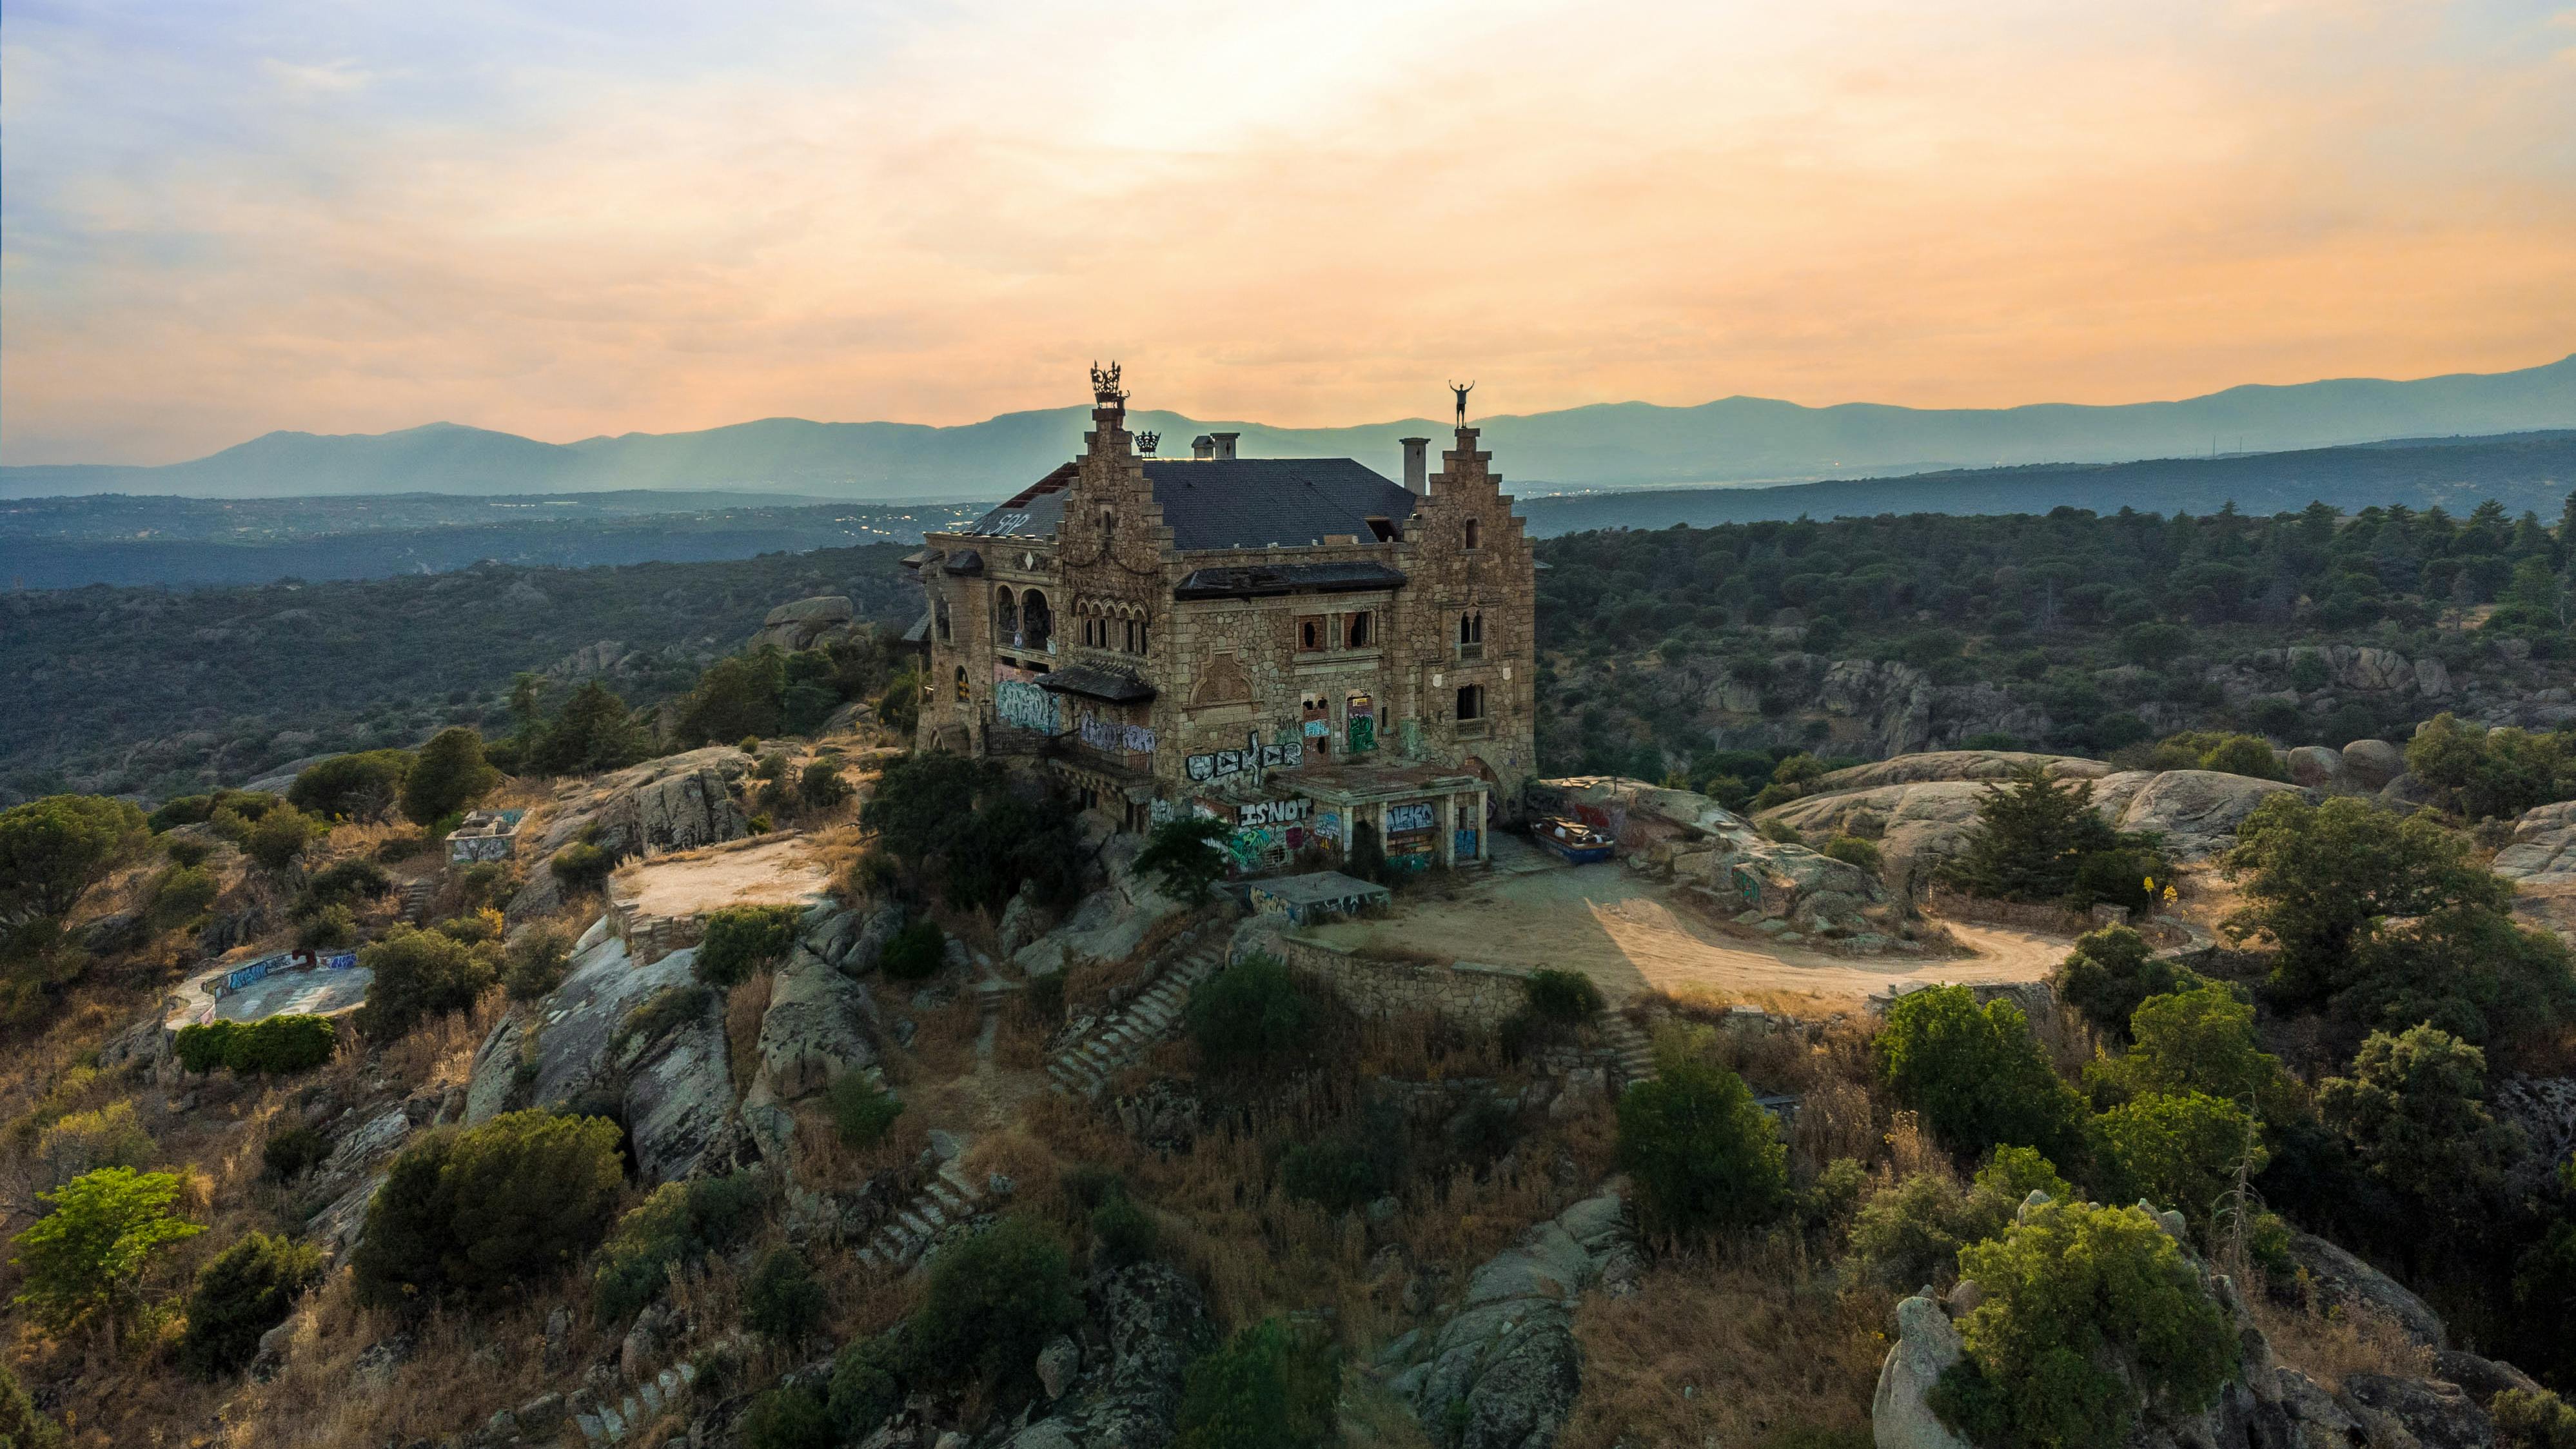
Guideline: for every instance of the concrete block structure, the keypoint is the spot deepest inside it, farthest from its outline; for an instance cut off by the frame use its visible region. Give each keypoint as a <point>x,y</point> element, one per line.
<point>1297,646</point>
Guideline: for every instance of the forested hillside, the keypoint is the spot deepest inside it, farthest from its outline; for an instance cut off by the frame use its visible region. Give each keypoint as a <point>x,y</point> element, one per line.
<point>152,692</point>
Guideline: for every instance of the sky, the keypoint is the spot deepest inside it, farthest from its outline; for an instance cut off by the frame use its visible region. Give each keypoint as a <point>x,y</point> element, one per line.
<point>221,217</point>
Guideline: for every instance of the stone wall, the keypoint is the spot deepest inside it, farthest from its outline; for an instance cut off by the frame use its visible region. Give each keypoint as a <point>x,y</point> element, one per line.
<point>1467,992</point>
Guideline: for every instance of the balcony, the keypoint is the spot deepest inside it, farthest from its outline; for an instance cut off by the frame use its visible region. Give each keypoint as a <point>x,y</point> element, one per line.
<point>1472,651</point>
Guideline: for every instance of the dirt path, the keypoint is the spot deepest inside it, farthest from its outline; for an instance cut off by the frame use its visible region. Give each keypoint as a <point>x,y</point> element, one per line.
<point>1629,935</point>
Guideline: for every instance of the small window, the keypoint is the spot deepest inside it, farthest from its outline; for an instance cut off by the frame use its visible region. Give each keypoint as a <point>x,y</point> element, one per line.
<point>939,610</point>
<point>1357,635</point>
<point>1035,622</point>
<point>1006,615</point>
<point>1384,529</point>
<point>1471,628</point>
<point>1475,533</point>
<point>1310,633</point>
<point>1471,702</point>
<point>961,682</point>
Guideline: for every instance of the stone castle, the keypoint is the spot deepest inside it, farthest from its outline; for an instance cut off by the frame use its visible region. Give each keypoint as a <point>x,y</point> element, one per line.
<point>1301,647</point>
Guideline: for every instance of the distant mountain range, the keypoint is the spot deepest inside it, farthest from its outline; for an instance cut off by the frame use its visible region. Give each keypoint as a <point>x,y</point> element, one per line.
<point>1619,445</point>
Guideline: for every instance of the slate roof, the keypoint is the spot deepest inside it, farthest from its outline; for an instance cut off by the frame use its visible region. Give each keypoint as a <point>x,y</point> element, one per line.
<point>964,561</point>
<point>1257,502</point>
<point>1090,680</point>
<point>1254,581</point>
<point>1230,503</point>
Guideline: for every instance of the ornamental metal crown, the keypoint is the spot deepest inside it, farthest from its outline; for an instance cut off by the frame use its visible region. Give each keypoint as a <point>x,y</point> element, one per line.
<point>1104,385</point>
<point>1146,443</point>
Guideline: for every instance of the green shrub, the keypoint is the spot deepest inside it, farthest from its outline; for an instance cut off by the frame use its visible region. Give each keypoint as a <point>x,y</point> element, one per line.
<point>21,1427</point>
<point>483,1212</point>
<point>581,867</point>
<point>742,941</point>
<point>1852,850</point>
<point>1347,1170</point>
<point>417,973</point>
<point>1267,1388</point>
<point>181,810</point>
<point>534,963</point>
<point>279,1044</point>
<point>2532,1419</point>
<point>186,851</point>
<point>292,1151</point>
<point>2414,1110</point>
<point>1250,1013</point>
<point>820,786</point>
<point>1568,997</point>
<point>1977,1076</point>
<point>247,1290</point>
<point>2109,972</point>
<point>361,787</point>
<point>916,952</point>
<point>1122,1232</point>
<point>867,1387</point>
<point>679,1223</point>
<point>348,881</point>
<point>2200,1040</point>
<point>448,775</point>
<point>790,1417</point>
<point>672,1006</point>
<point>326,928</point>
<point>278,837</point>
<point>2034,839</point>
<point>179,897</point>
<point>1704,1155</point>
<point>783,1301</point>
<point>54,849</point>
<point>201,1047</point>
<point>2181,1151</point>
<point>995,1299</point>
<point>861,1112</point>
<point>86,1259</point>
<point>2073,1295</point>
<point>1189,853</point>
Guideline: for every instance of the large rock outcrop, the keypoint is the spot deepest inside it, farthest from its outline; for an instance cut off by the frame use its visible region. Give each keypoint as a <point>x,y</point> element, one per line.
<point>678,802</point>
<point>1154,1322</point>
<point>1922,805</point>
<point>1927,1344</point>
<point>820,1025</point>
<point>673,1087</point>
<point>806,623</point>
<point>2543,849</point>
<point>1702,843</point>
<point>1503,1372</point>
<point>1112,923</point>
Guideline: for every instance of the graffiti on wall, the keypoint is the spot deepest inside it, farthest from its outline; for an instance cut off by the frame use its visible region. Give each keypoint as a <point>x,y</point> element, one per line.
<point>1102,733</point>
<point>1273,812</point>
<point>465,849</point>
<point>1252,759</point>
<point>1017,702</point>
<point>1363,733</point>
<point>1328,826</point>
<point>1464,847</point>
<point>1402,818</point>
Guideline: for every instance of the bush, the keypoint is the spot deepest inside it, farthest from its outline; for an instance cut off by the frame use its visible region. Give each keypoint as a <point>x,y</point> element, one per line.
<point>275,839</point>
<point>347,882</point>
<point>1976,1075</point>
<point>52,850</point>
<point>1911,1232</point>
<point>2181,1151</point>
<point>418,973</point>
<point>2317,877</point>
<point>481,1213</point>
<point>2532,1419</point>
<point>1852,850</point>
<point>672,1006</point>
<point>2110,971</point>
<point>179,898</point>
<point>581,867</point>
<point>916,952</point>
<point>85,1259</point>
<point>1122,1233</point>
<point>783,1301</point>
<point>820,786</point>
<point>995,1299</point>
<point>2073,1295</point>
<point>1250,1013</point>
<point>449,775</point>
<point>326,928</point>
<point>861,1113</point>
<point>742,941</point>
<point>292,1151</point>
<point>2491,773</point>
<point>78,1143</point>
<point>291,1043</point>
<point>1703,1153</point>
<point>789,1417</point>
<point>1566,997</point>
<point>2414,1110</point>
<point>2202,1040</point>
<point>21,1427</point>
<point>679,1223</point>
<point>867,1387</point>
<point>186,851</point>
<point>1189,853</point>
<point>535,963</point>
<point>361,787</point>
<point>2033,839</point>
<point>1267,1388</point>
<point>1344,1172</point>
<point>247,1290</point>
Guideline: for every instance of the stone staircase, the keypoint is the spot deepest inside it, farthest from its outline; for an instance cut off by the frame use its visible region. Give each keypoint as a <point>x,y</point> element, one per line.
<point>949,1197</point>
<point>1635,1053</point>
<point>415,900</point>
<point>1084,1068</point>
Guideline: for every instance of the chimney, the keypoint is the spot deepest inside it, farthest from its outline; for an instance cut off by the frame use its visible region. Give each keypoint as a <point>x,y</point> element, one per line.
<point>1417,466</point>
<point>1202,448</point>
<point>1224,445</point>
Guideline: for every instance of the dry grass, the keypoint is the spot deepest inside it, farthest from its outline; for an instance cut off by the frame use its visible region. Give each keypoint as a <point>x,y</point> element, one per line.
<point>1724,1350</point>
<point>439,1053</point>
<point>1424,1046</point>
<point>2328,1343</point>
<point>745,1005</point>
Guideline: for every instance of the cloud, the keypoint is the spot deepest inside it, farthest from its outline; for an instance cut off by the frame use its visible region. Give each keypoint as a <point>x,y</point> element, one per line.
<point>1306,214</point>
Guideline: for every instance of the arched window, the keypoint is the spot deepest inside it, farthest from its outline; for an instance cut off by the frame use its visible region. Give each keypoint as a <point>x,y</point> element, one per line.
<point>961,683</point>
<point>1035,622</point>
<point>1475,533</point>
<point>1471,635</point>
<point>1358,636</point>
<point>939,608</point>
<point>1471,702</point>
<point>1006,617</point>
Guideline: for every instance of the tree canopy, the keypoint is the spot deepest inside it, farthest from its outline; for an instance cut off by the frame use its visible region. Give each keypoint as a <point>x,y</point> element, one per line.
<point>54,849</point>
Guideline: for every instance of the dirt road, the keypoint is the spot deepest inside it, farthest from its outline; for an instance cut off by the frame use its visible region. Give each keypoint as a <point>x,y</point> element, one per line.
<point>1628,935</point>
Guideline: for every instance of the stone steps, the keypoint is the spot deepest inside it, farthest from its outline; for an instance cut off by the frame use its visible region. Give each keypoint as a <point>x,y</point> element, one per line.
<point>1084,1069</point>
<point>948,1198</point>
<point>1634,1053</point>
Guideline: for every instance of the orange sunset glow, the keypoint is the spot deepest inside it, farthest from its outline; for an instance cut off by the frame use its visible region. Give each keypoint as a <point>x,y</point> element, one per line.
<point>564,221</point>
